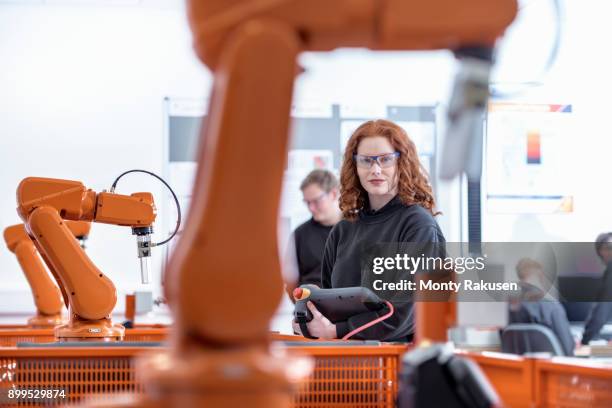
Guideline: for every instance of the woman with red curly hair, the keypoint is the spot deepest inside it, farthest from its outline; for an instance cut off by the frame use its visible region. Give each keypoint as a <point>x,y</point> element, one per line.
<point>385,197</point>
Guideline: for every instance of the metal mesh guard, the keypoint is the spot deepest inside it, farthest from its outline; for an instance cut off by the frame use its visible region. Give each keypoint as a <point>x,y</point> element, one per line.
<point>84,378</point>
<point>364,377</point>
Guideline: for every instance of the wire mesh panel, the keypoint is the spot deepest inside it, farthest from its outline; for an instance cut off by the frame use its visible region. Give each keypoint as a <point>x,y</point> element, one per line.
<point>51,377</point>
<point>355,376</point>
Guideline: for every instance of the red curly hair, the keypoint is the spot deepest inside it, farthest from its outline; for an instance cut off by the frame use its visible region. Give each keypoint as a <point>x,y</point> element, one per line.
<point>413,184</point>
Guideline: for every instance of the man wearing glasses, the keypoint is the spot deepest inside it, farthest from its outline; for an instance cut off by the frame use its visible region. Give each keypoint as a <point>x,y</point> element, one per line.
<point>320,193</point>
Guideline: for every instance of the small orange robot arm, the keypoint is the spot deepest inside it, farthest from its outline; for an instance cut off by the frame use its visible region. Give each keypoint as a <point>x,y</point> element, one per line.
<point>44,204</point>
<point>47,296</point>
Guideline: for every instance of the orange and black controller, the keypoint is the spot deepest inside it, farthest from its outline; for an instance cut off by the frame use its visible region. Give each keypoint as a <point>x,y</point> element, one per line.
<point>338,304</point>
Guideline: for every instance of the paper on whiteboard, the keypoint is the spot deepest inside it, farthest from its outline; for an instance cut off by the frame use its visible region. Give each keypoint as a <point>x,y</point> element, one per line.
<point>527,151</point>
<point>307,160</point>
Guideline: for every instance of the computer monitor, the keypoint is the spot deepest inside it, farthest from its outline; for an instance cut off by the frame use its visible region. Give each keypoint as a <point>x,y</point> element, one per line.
<point>579,274</point>
<point>577,312</point>
<point>578,294</point>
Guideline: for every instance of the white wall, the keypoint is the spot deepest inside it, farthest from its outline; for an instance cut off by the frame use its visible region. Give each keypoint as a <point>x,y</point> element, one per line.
<point>81,98</point>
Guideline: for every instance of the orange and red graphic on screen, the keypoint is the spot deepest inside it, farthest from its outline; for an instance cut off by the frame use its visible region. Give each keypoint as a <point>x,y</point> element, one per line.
<point>534,151</point>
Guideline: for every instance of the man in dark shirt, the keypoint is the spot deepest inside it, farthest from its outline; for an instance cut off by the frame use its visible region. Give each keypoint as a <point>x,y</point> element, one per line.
<point>602,311</point>
<point>534,307</point>
<point>305,251</point>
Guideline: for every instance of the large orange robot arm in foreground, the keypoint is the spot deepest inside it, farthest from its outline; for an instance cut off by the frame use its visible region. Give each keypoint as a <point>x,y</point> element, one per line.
<point>252,48</point>
<point>223,281</point>
<point>43,205</point>
<point>47,296</point>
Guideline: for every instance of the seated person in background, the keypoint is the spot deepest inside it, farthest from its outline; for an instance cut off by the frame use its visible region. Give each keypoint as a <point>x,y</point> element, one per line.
<point>532,307</point>
<point>602,310</point>
<point>306,245</point>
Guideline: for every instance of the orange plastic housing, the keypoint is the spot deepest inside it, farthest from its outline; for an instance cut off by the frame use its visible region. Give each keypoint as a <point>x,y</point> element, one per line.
<point>563,384</point>
<point>512,377</point>
<point>559,382</point>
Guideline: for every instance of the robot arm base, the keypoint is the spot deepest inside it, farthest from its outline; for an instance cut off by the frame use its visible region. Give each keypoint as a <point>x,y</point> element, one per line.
<point>78,329</point>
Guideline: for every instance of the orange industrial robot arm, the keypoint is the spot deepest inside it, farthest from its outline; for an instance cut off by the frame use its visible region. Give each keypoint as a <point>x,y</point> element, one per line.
<point>223,284</point>
<point>43,204</point>
<point>252,47</point>
<point>47,296</point>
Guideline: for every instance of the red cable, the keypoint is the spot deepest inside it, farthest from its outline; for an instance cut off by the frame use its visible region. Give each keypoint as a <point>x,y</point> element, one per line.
<point>372,323</point>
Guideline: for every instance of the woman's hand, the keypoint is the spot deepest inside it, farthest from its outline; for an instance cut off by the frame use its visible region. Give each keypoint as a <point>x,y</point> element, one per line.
<point>319,326</point>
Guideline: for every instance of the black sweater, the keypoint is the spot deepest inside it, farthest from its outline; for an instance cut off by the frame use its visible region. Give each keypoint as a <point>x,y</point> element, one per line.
<point>394,223</point>
<point>310,238</point>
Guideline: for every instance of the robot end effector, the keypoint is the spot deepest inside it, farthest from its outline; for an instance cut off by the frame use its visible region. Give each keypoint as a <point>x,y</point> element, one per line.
<point>143,242</point>
<point>144,245</point>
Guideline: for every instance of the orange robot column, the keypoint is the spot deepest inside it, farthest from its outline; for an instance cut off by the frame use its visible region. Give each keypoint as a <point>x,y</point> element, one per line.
<point>47,295</point>
<point>223,282</point>
<point>44,204</point>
